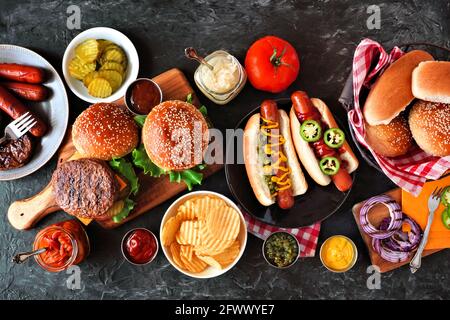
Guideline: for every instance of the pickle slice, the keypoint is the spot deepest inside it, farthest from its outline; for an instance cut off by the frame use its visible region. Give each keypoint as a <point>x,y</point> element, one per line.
<point>113,54</point>
<point>78,69</point>
<point>88,51</point>
<point>112,65</point>
<point>113,77</point>
<point>89,77</point>
<point>100,88</point>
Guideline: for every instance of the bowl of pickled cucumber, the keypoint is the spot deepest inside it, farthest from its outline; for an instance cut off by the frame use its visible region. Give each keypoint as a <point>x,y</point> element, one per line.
<point>99,64</point>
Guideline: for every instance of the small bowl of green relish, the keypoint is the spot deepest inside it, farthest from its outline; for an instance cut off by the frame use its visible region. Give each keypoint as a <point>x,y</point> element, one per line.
<point>281,249</point>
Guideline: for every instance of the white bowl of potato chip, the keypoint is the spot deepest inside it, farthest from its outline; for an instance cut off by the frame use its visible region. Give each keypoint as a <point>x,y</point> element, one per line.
<point>99,64</point>
<point>203,234</point>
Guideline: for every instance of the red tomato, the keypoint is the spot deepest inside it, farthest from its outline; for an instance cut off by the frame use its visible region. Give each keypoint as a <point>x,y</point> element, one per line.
<point>272,64</point>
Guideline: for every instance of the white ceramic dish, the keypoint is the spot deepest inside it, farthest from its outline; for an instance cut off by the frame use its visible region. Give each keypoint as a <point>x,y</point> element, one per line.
<point>54,111</point>
<point>209,272</point>
<point>118,38</point>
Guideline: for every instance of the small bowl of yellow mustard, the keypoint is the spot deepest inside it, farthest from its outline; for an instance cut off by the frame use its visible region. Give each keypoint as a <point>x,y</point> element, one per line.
<point>338,254</point>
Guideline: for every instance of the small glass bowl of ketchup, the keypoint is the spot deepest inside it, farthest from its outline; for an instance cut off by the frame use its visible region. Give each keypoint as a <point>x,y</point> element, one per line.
<point>142,96</point>
<point>139,246</point>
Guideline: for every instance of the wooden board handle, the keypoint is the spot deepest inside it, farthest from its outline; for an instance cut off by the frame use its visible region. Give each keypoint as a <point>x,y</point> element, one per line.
<point>23,214</point>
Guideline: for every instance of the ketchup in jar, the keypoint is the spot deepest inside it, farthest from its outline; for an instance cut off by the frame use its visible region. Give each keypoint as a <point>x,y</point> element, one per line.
<point>66,244</point>
<point>140,246</point>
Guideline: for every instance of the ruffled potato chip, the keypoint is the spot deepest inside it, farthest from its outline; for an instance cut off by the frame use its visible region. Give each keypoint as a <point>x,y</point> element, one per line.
<point>169,231</point>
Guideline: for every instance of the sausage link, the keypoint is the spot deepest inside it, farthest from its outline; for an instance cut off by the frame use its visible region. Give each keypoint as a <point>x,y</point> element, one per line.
<point>305,110</point>
<point>21,73</point>
<point>269,111</point>
<point>14,108</point>
<point>27,91</point>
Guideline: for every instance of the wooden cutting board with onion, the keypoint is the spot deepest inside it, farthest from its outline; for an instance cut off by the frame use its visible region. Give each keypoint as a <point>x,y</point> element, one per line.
<point>377,214</point>
<point>24,214</point>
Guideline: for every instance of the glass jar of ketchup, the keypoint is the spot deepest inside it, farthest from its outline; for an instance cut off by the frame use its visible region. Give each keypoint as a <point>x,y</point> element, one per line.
<point>139,246</point>
<point>66,244</point>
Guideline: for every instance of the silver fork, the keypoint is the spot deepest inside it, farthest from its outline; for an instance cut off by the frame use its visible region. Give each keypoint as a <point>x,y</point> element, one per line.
<point>18,127</point>
<point>433,203</point>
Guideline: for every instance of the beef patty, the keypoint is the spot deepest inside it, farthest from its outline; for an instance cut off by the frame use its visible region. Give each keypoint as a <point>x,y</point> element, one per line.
<point>15,153</point>
<point>85,188</point>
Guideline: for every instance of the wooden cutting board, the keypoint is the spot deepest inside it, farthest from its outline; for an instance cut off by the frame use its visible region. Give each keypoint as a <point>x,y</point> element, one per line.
<point>378,213</point>
<point>24,214</point>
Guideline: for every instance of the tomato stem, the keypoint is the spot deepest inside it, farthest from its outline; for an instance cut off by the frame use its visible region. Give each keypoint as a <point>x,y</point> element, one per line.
<point>276,60</point>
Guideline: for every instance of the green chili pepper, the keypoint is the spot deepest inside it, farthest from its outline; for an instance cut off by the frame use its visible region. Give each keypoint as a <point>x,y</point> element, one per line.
<point>311,131</point>
<point>330,165</point>
<point>334,137</point>
<point>446,217</point>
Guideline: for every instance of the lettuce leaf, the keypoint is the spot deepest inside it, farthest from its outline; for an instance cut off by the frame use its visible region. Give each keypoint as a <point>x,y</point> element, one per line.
<point>141,160</point>
<point>140,120</point>
<point>203,110</point>
<point>189,98</point>
<point>125,168</point>
<point>129,205</point>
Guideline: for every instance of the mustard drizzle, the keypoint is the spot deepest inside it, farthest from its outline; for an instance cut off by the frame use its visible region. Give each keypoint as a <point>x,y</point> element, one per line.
<point>283,182</point>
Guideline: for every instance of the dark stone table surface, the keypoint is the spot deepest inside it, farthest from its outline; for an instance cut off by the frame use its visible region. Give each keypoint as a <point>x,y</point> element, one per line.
<point>325,33</point>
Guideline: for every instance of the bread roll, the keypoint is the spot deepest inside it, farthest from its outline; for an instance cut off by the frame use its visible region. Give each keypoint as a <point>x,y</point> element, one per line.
<point>390,140</point>
<point>175,135</point>
<point>392,92</point>
<point>431,81</point>
<point>430,127</point>
<point>104,131</point>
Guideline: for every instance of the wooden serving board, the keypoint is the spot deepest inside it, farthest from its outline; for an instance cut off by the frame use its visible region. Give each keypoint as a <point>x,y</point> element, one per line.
<point>377,214</point>
<point>24,214</point>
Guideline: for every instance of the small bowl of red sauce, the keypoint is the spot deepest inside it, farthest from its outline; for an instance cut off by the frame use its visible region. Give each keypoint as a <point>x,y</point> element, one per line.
<point>139,246</point>
<point>142,95</point>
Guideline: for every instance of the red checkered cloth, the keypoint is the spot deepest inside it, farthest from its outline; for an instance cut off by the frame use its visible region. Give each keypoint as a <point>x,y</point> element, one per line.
<point>410,171</point>
<point>306,236</point>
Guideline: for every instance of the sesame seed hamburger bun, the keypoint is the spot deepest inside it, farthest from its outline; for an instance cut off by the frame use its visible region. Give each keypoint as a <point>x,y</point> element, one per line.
<point>430,127</point>
<point>104,131</point>
<point>392,92</point>
<point>390,140</point>
<point>175,135</point>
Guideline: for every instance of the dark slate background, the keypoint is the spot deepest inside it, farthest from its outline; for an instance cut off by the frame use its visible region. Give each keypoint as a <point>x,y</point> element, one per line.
<point>325,34</point>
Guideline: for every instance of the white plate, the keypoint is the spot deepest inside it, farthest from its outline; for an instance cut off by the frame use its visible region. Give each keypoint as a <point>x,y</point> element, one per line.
<point>54,111</point>
<point>77,87</point>
<point>209,272</point>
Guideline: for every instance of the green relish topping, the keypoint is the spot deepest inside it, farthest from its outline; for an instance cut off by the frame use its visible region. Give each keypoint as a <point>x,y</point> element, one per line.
<point>281,249</point>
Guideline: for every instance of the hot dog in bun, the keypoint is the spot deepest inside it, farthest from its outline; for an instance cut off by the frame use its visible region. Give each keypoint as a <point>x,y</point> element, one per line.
<point>272,166</point>
<point>320,144</point>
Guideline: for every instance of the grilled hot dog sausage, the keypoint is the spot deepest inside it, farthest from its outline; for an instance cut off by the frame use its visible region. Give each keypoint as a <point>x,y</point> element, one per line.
<point>280,169</point>
<point>305,110</point>
<point>14,108</point>
<point>21,73</point>
<point>27,91</point>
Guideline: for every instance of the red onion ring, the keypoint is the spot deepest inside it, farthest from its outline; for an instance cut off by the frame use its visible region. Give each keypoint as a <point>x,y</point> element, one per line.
<point>395,212</point>
<point>401,245</point>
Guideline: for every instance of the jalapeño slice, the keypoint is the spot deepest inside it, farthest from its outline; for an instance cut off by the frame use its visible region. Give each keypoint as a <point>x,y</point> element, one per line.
<point>311,131</point>
<point>334,138</point>
<point>446,217</point>
<point>445,198</point>
<point>330,165</point>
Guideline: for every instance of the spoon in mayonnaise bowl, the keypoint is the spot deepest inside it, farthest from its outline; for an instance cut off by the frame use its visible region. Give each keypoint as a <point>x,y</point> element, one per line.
<point>191,53</point>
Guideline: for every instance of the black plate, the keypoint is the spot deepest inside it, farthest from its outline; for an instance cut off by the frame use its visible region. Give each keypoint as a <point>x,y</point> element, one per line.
<point>317,204</point>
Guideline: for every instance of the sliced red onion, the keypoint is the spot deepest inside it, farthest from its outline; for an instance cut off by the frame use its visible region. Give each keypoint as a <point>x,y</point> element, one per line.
<point>394,211</point>
<point>388,254</point>
<point>401,245</point>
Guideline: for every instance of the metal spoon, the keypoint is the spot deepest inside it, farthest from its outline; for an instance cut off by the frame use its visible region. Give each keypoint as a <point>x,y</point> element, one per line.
<point>191,53</point>
<point>22,257</point>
